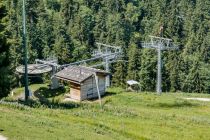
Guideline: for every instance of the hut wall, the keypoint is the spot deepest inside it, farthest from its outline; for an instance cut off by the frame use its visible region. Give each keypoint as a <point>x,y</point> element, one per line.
<point>75,91</point>
<point>89,89</point>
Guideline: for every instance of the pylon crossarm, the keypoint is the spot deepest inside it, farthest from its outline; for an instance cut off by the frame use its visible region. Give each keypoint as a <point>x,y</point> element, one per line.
<point>114,47</point>
<point>148,45</point>
<point>160,44</point>
<point>52,63</point>
<point>160,38</point>
<point>170,48</point>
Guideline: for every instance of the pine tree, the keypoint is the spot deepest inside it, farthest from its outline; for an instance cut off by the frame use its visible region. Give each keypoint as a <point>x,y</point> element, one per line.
<point>133,63</point>
<point>119,76</point>
<point>148,70</point>
<point>62,47</point>
<point>14,38</point>
<point>4,53</point>
<point>70,28</point>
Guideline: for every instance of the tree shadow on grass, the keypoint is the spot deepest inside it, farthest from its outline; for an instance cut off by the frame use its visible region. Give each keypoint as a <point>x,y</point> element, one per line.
<point>109,94</point>
<point>43,93</point>
<point>102,96</point>
<point>175,104</point>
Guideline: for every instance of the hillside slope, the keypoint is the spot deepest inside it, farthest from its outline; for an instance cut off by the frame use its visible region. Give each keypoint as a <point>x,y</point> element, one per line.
<point>125,116</point>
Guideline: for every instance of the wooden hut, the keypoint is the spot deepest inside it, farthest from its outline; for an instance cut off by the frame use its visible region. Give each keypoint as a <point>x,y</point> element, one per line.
<point>83,81</point>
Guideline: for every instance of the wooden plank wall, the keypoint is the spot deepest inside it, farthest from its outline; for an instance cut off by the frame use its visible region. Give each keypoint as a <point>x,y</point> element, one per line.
<point>75,91</point>
<point>89,89</point>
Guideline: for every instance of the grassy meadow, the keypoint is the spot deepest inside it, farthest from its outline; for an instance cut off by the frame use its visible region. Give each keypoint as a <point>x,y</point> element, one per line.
<point>125,116</point>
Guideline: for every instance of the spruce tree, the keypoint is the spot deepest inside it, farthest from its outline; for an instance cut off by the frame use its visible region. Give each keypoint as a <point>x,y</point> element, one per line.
<point>119,76</point>
<point>148,70</point>
<point>133,63</point>
<point>4,53</point>
<point>70,28</point>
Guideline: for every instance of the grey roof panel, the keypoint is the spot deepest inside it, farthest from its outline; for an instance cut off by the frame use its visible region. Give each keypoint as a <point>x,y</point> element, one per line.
<point>34,69</point>
<point>78,73</point>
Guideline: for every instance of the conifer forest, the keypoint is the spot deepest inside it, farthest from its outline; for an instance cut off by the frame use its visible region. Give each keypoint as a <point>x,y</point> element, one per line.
<point>69,29</point>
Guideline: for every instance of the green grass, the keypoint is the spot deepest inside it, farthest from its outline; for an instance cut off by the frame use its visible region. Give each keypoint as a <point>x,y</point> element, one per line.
<point>41,92</point>
<point>34,87</point>
<point>126,115</point>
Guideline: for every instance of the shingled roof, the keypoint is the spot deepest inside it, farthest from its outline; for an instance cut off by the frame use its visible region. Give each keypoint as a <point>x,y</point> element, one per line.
<point>78,74</point>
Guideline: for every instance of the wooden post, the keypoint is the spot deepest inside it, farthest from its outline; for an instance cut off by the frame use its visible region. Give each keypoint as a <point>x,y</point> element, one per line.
<point>25,52</point>
<point>99,95</point>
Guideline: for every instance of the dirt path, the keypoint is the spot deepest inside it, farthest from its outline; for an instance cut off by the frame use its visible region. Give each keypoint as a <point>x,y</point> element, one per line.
<point>2,137</point>
<point>199,99</point>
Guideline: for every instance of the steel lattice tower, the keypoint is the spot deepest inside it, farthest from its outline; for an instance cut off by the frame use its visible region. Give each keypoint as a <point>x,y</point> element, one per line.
<point>110,53</point>
<point>105,54</point>
<point>160,44</point>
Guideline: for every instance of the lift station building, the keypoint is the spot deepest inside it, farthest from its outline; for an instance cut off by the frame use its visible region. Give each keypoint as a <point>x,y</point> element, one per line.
<point>82,81</point>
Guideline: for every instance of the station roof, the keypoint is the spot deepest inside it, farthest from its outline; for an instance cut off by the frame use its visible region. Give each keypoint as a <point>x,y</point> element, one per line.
<point>78,74</point>
<point>34,69</point>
